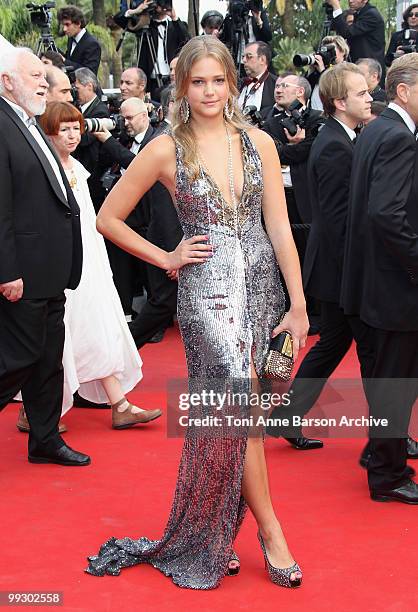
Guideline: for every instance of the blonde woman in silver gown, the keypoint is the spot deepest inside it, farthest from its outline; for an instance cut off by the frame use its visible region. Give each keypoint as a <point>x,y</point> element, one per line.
<point>222,175</point>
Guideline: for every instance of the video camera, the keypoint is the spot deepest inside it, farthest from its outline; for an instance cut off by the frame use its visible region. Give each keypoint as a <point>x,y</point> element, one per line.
<point>40,14</point>
<point>327,52</point>
<point>240,9</point>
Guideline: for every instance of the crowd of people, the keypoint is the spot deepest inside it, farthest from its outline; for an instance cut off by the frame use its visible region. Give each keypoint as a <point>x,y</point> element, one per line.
<point>245,202</point>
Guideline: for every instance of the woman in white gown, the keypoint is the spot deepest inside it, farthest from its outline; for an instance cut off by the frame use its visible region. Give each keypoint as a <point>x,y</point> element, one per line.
<point>100,358</point>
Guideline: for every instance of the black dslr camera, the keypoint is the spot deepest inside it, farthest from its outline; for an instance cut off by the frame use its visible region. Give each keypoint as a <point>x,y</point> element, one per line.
<point>296,118</point>
<point>409,42</point>
<point>327,52</point>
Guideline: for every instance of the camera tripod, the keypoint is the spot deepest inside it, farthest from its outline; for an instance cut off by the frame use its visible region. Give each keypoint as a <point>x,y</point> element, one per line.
<point>45,42</point>
<point>142,34</point>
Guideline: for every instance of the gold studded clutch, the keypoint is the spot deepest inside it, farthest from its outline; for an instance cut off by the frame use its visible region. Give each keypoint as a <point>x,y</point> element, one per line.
<point>280,362</point>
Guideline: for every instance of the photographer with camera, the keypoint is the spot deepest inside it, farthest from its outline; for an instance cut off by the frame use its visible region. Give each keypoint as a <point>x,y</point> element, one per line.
<point>332,50</point>
<point>372,72</point>
<point>167,35</point>
<point>154,218</point>
<point>258,88</point>
<point>294,131</point>
<point>366,37</point>
<point>245,22</point>
<point>83,49</point>
<point>404,40</point>
<point>212,23</point>
<point>346,101</point>
<point>88,150</point>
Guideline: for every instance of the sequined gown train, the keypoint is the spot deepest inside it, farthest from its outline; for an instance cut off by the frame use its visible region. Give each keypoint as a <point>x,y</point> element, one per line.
<point>227,309</point>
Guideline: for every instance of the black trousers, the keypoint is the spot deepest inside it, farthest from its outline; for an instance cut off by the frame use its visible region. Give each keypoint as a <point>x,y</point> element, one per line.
<point>31,345</point>
<point>157,312</point>
<point>128,274</point>
<point>393,391</point>
<point>336,336</point>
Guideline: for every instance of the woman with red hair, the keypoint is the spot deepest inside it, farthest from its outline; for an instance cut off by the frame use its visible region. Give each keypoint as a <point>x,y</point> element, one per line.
<point>100,357</point>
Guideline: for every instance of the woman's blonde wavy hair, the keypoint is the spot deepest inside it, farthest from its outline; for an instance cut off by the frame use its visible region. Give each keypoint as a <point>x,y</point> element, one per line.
<point>196,49</point>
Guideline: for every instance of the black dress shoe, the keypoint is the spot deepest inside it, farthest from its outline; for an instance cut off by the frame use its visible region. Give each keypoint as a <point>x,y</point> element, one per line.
<point>157,337</point>
<point>364,463</point>
<point>64,455</point>
<point>411,448</point>
<point>406,493</point>
<point>80,402</point>
<point>303,443</point>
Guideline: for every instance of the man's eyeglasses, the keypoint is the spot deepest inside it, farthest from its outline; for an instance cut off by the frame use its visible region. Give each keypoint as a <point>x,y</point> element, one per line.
<point>286,85</point>
<point>130,117</point>
<point>248,56</point>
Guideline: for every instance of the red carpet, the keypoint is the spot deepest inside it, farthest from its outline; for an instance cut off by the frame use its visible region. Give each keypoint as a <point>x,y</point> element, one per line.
<point>356,554</point>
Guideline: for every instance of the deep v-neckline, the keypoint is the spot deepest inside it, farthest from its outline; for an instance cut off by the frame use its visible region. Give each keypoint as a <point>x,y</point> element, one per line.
<point>215,185</point>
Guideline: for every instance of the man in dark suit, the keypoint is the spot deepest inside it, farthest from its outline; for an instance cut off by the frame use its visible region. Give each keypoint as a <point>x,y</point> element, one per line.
<point>40,255</point>
<point>258,87</point>
<point>346,101</point>
<point>156,219</point>
<point>256,27</point>
<point>167,36</point>
<point>366,36</point>
<point>372,72</point>
<point>88,150</point>
<point>83,49</point>
<point>380,276</point>
<point>294,150</point>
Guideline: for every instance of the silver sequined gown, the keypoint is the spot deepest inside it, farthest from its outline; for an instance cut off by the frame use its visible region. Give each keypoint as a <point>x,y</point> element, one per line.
<point>227,309</point>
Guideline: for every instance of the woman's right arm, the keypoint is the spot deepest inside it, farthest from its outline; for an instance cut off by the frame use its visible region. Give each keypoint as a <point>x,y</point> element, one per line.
<point>156,162</point>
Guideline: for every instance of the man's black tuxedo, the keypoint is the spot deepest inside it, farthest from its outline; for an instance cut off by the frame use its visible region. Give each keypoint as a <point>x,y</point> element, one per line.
<point>380,281</point>
<point>40,242</point>
<point>88,150</point>
<point>381,257</point>
<point>176,36</point>
<point>262,33</point>
<point>267,97</point>
<point>296,156</point>
<point>329,171</point>
<point>87,53</point>
<point>366,36</point>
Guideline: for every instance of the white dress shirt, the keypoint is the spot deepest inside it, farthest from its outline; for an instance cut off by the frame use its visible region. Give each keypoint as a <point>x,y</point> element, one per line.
<point>404,115</point>
<point>163,65</point>
<point>351,133</point>
<point>76,40</point>
<point>135,146</point>
<point>28,122</point>
<point>254,98</point>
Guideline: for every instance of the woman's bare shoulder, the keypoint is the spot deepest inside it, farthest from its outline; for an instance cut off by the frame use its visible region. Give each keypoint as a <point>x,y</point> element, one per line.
<point>162,148</point>
<point>261,139</point>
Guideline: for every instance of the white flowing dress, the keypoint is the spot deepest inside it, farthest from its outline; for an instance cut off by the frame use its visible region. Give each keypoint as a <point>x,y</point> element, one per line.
<point>98,342</point>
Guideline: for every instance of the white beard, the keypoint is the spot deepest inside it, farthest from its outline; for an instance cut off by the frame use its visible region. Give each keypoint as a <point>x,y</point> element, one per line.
<point>30,102</point>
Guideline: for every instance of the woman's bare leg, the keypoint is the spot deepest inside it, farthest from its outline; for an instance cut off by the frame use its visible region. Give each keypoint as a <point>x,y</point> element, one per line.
<point>256,492</point>
<point>113,390</point>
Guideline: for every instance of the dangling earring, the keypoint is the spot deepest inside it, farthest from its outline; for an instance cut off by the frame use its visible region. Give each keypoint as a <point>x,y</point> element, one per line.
<point>229,110</point>
<point>184,110</point>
